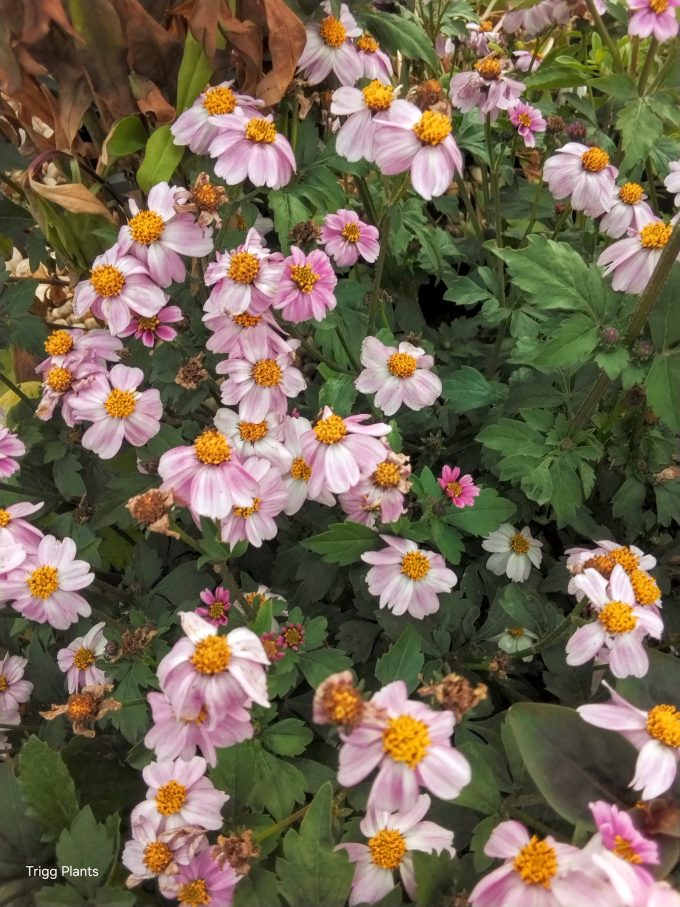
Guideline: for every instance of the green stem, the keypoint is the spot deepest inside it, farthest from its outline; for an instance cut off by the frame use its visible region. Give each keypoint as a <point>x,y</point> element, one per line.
<point>472,213</point>
<point>652,185</point>
<point>560,220</point>
<point>366,200</point>
<point>315,352</point>
<point>605,35</point>
<point>535,824</point>
<point>553,636</point>
<point>647,68</point>
<point>261,836</point>
<point>498,217</point>
<point>665,69</point>
<point>17,390</point>
<point>635,49</point>
<point>346,345</point>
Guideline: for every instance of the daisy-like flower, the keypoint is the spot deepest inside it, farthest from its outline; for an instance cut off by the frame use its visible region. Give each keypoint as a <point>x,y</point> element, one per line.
<point>392,837</point>
<point>585,175</point>
<point>206,476</point>
<point>397,375</point>
<point>653,18</point>
<point>672,181</point>
<point>118,411</point>
<point>96,345</point>
<point>514,640</point>
<point>259,382</point>
<point>228,329</point>
<point>380,495</point>
<point>119,287</point>
<point>526,60</point>
<point>480,34</point>
<point>460,490</point>
<point>16,531</point>
<point>487,88</point>
<point>219,671</point>
<point>257,522</point>
<point>632,260</point>
<point>204,881</point>
<point>604,558</point>
<point>216,605</point>
<point>44,588</point>
<point>328,48</point>
<point>347,238</point>
<point>655,733</point>
<point>341,451</point>
<point>407,578</point>
<point>419,141</point>
<point>196,126</point>
<point>354,139</point>
<point>62,384</point>
<point>255,439</point>
<point>244,279</point>
<point>292,636</point>
<point>410,745</point>
<point>296,478</point>
<point>151,330</point>
<point>250,146</point>
<point>375,63</point>
<point>13,688</point>
<point>155,854</point>
<point>513,552</point>
<point>181,794</point>
<point>78,659</point>
<point>528,121</point>
<point>629,211</point>
<point>11,446</point>
<point>11,556</point>
<point>307,286</point>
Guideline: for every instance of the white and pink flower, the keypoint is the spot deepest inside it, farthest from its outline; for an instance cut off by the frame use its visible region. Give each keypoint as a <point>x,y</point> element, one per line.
<point>382,494</point>
<point>11,447</point>
<point>296,478</point>
<point>584,175</point>
<point>255,439</point>
<point>397,375</point>
<point>152,853</point>
<point>14,530</point>
<point>78,659</point>
<point>204,879</point>
<point>487,88</point>
<point>632,260</point>
<point>244,279</point>
<point>513,553</point>
<point>13,688</point>
<point>653,19</point>
<point>329,48</point>
<point>307,286</point>
<point>629,211</point>
<point>528,120</point>
<point>216,606</point>
<point>375,63</point>
<point>227,330</point>
<point>257,522</point>
<point>179,792</point>
<point>151,330</point>
<point>672,181</point>
<point>250,147</point>
<point>347,238</point>
<point>200,124</point>
<point>355,138</point>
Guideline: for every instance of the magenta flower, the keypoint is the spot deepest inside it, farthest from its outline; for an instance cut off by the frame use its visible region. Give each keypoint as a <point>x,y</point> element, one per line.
<point>410,139</point>
<point>255,439</point>
<point>250,146</point>
<point>217,605</point>
<point>199,125</point>
<point>228,329</point>
<point>375,63</point>
<point>296,478</point>
<point>181,794</point>
<point>380,495</point>
<point>307,285</point>
<point>392,837</point>
<point>150,330</point>
<point>16,531</point>
<point>245,279</point>
<point>629,211</point>
<point>328,48</point>
<point>119,287</point>
<point>411,747</point>
<point>204,881</point>
<point>257,522</point>
<point>78,659</point>
<point>672,181</point>
<point>44,588</point>
<point>11,446</point>
<point>354,139</point>
<point>583,173</point>
<point>632,260</point>
<point>155,854</point>
<point>347,238</point>
<point>13,688</point>
<point>655,18</point>
<point>487,88</point>
<point>460,490</point>
<point>397,375</point>
<point>528,121</point>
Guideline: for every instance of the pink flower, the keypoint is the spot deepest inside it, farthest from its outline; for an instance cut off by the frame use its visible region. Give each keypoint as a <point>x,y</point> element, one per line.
<point>411,747</point>
<point>99,346</point>
<point>583,173</point>
<point>392,839</point>
<point>528,121</point>
<point>155,854</point>
<point>245,279</point>
<point>328,49</point>
<point>149,330</point>
<point>407,578</point>
<point>181,794</point>
<point>341,451</point>
<point>16,531</point>
<point>409,139</point>
<point>250,146</point>
<point>672,181</point>
<point>292,636</point>
<point>307,285</point>
<point>206,476</point>
<point>228,329</point>
<point>632,260</point>
<point>204,881</point>
<point>255,439</point>
<point>653,18</point>
<point>10,447</point>
<point>296,478</point>
<point>78,659</point>
<point>487,88</point>
<point>200,124</point>
<point>380,495</point>
<point>217,605</point>
<point>526,60</point>
<point>13,688</point>
<point>628,212</point>
<point>119,287</point>
<point>62,384</point>
<point>400,375</point>
<point>479,36</point>
<point>655,733</point>
<point>662,895</point>
<point>375,63</point>
<point>118,411</point>
<point>257,522</point>
<point>460,490</point>
<point>44,588</point>
<point>354,139</point>
<point>347,238</point>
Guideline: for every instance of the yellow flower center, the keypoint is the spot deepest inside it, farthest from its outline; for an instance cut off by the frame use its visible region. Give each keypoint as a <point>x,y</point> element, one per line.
<point>252,431</point>
<point>304,277</point>
<point>658,6</point>
<point>244,267</point>
<point>486,25</point>
<point>146,227</point>
<point>625,558</point>
<point>387,848</point>
<point>663,723</point>
<point>82,706</point>
<point>378,95</point>
<point>107,280</point>
<point>330,430</point>
<point>207,196</point>
<point>617,617</point>
<point>402,365</point>
<point>519,543</point>
<point>300,470</point>
<point>83,659</point>
<point>211,655</point>
<point>212,448</point>
<point>432,128</point>
<point>342,704</point>
<point>455,489</point>
<point>216,610</point>
<point>655,236</point>
<point>406,739</point>
<point>120,404</point>
<point>5,518</point>
<point>351,232</point>
<point>170,798</point>
<point>594,160</point>
<point>367,44</point>
<point>59,379</point>
<point>43,582</point>
<point>536,863</point>
<point>646,590</point>
<point>4,683</point>
<point>524,120</point>
<point>260,131</point>
<point>332,32</point>
<point>631,193</point>
<point>267,373</point>
<point>603,563</point>
<point>157,857</point>
<point>386,475</point>
<point>246,321</point>
<point>293,636</point>
<point>516,632</point>
<point>415,565</point>
<point>194,894</point>
<point>148,324</point>
<point>624,849</point>
<point>245,512</point>
<point>489,68</point>
<point>58,343</point>
<point>219,100</point>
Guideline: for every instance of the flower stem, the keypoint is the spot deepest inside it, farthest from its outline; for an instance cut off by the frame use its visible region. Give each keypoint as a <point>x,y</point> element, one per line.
<point>261,836</point>
<point>377,279</point>
<point>605,35</point>
<point>647,68</point>
<point>17,390</point>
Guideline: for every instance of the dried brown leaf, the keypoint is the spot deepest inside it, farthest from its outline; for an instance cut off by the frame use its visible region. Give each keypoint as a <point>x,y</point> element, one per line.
<point>39,16</point>
<point>74,197</point>
<point>150,100</point>
<point>286,41</point>
<point>153,53</point>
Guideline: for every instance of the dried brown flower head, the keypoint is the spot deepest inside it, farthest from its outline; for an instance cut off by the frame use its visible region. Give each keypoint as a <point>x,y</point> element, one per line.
<point>237,850</point>
<point>455,693</point>
<point>192,374</point>
<point>84,708</point>
<point>132,643</point>
<point>427,94</point>
<point>151,510</point>
<point>203,199</point>
<point>304,233</point>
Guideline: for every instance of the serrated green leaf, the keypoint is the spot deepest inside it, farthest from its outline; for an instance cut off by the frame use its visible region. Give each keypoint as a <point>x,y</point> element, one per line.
<point>468,389</point>
<point>406,36</point>
<point>86,845</point>
<point>661,384</point>
<point>47,786</point>
<point>289,737</point>
<point>343,543</point>
<point>484,516</point>
<point>404,660</point>
<point>640,129</point>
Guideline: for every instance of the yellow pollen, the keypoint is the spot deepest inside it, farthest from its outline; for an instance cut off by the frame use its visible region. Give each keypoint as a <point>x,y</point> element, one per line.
<point>194,894</point>
<point>245,512</point>
<point>59,379</point>
<point>146,227</point>
<point>4,683</point>
<point>594,160</point>
<point>645,587</point>
<point>330,430</point>
<point>332,32</point>
<point>351,232</point>
<point>219,100</point>
<point>536,863</point>
<point>342,704</point>
<point>517,632</point>
<point>43,582</point>
<point>486,25</point>
<point>216,610</point>
<point>58,343</point>
<point>401,365</point>
<point>207,196</point>
<point>415,565</point>
<point>367,45</point>
<point>5,518</point>
<point>260,131</point>
<point>524,120</point>
<point>212,448</point>
<point>211,655</point>
<point>246,321</point>
<point>519,543</point>
<point>81,706</point>
<point>378,95</point>
<point>663,723</point>
<point>83,659</point>
<point>658,6</point>
<point>624,849</point>
<point>107,280</point>
<point>300,470</point>
<point>148,324</point>
<point>617,617</point>
<point>386,475</point>
<point>455,489</point>
<point>304,277</point>
<point>625,558</point>
<point>267,373</point>
<point>293,636</point>
<point>655,236</point>
<point>244,267</point>
<point>387,848</point>
<point>406,739</point>
<point>252,431</point>
<point>432,128</point>
<point>157,857</point>
<point>120,404</point>
<point>603,563</point>
<point>170,798</point>
<point>489,68</point>
<point>631,193</point>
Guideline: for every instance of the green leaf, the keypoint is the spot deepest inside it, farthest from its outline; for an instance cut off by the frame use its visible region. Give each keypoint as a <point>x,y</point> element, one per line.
<point>447,540</point>
<point>47,786</point>
<point>289,737</point>
<point>402,35</point>
<point>435,875</point>
<point>59,896</point>
<point>404,660</point>
<point>194,73</point>
<point>161,159</point>
<point>86,845</point>
<point>468,389</point>
<point>662,383</point>
<point>484,516</point>
<point>338,392</point>
<point>621,86</point>
<point>257,889</point>
<point>555,76</point>
<point>640,129</point>
<point>343,543</point>
<point>288,211</point>
<point>126,136</point>
<point>19,835</point>
<point>276,785</point>
<point>511,434</point>
<point>66,472</point>
<point>571,345</point>
<point>660,684</point>
<point>482,793</point>
<point>318,665</point>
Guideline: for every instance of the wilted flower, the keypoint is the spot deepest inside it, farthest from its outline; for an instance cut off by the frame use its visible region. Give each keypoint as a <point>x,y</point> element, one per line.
<point>237,851</point>
<point>84,708</point>
<point>455,693</point>
<point>151,510</point>
<point>338,701</point>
